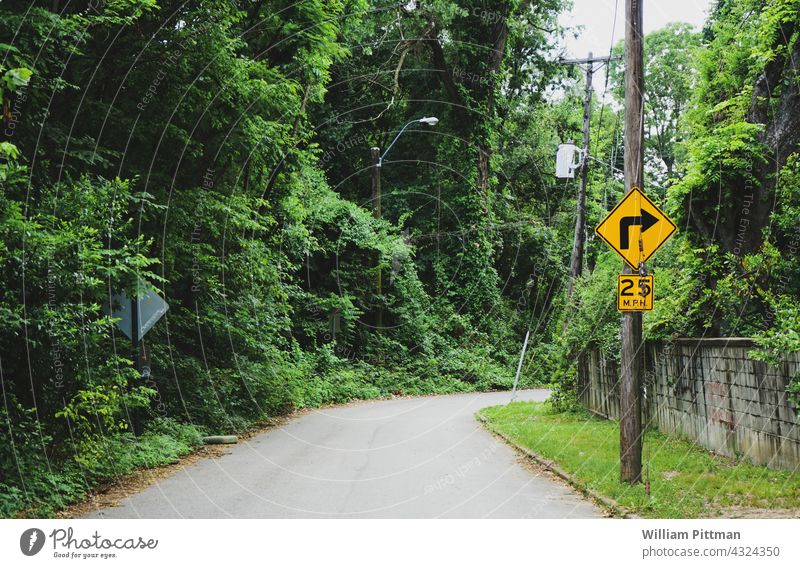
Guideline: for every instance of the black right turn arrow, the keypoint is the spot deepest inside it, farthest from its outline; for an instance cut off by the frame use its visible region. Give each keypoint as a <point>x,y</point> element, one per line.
<point>645,220</point>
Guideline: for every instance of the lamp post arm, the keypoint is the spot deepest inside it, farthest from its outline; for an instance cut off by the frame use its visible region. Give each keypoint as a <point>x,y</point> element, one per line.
<point>406,125</point>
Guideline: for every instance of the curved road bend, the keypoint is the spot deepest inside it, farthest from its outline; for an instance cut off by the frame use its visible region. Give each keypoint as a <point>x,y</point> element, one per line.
<point>405,458</point>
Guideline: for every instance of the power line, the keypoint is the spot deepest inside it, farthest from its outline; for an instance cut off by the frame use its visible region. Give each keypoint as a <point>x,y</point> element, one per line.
<point>608,71</point>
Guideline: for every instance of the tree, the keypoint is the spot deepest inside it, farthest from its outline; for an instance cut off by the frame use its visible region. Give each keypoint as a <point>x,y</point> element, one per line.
<point>669,77</point>
<point>187,144</point>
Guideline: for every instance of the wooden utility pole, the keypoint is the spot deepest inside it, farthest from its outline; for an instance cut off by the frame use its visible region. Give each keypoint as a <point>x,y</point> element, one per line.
<point>137,360</point>
<point>376,212</point>
<point>630,402</point>
<point>579,240</point>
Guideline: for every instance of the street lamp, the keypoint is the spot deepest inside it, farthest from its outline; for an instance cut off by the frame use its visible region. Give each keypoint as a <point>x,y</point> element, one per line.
<point>429,120</point>
<point>377,162</point>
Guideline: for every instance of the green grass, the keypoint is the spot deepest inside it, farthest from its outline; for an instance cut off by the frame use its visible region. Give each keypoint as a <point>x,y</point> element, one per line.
<point>686,481</point>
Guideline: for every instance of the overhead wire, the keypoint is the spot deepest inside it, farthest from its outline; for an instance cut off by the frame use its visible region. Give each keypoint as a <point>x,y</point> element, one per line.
<point>603,108</point>
<point>610,53</point>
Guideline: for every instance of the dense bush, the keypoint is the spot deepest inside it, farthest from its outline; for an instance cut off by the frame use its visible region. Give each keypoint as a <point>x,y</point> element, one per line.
<point>166,145</point>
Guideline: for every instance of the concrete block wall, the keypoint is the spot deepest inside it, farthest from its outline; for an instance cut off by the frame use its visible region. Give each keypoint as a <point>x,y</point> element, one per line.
<point>710,391</point>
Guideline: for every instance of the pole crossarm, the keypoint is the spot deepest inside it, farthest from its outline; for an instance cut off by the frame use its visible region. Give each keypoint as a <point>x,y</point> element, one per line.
<point>586,60</point>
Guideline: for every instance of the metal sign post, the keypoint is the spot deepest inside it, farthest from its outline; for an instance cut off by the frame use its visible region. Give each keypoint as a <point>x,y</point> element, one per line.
<point>136,315</point>
<point>136,419</point>
<point>519,366</point>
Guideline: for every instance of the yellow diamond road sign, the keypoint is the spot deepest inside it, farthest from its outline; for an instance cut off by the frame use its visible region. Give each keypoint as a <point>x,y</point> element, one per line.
<point>636,228</point>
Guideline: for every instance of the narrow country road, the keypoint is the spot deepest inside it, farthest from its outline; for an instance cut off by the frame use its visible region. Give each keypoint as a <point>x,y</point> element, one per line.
<point>406,458</point>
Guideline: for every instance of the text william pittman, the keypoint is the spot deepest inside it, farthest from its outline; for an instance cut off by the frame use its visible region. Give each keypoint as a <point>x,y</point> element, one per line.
<point>697,534</point>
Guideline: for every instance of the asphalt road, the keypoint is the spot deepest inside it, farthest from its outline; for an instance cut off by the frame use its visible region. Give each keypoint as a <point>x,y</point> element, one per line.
<point>405,458</point>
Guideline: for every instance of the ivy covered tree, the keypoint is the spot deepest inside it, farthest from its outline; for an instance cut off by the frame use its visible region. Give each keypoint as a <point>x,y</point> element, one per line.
<point>743,131</point>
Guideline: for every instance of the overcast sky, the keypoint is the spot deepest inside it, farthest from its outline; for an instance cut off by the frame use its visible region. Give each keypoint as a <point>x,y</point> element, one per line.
<point>597,19</point>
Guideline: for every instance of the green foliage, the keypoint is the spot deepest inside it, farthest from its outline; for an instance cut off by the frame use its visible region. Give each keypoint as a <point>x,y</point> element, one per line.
<point>165,142</point>
<point>219,152</point>
<point>739,244</point>
<point>37,482</point>
<point>670,76</point>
